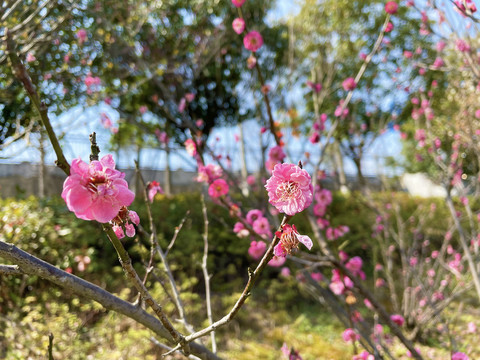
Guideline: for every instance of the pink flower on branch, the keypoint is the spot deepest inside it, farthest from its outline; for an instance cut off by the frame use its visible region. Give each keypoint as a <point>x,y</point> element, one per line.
<point>154,188</point>
<point>349,84</point>
<point>391,7</point>
<point>253,41</point>
<point>238,3</point>
<point>96,191</point>
<point>218,188</point>
<point>238,25</point>
<point>289,241</point>
<point>257,249</point>
<point>289,189</point>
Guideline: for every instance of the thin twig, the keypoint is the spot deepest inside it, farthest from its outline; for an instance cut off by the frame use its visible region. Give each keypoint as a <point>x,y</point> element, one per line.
<point>166,267</point>
<point>175,234</point>
<point>50,347</point>
<point>10,270</point>
<point>206,275</point>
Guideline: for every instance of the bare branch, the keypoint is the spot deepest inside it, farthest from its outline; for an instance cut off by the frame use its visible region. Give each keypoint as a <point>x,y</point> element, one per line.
<point>30,265</point>
<point>206,275</point>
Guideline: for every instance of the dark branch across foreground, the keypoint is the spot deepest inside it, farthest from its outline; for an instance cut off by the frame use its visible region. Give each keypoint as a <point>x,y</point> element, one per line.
<point>30,265</point>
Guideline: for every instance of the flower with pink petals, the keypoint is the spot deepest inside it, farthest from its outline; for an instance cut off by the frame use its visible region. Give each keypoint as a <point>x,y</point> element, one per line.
<point>191,147</point>
<point>391,7</point>
<point>253,41</point>
<point>190,97</point>
<point>218,188</point>
<point>289,240</point>
<point>251,62</point>
<point>397,319</point>
<point>238,3</point>
<point>30,57</point>
<point>349,335</point>
<point>289,189</point>
<point>262,227</point>
<point>96,191</point>
<point>459,356</point>
<point>152,190</point>
<point>81,36</point>
<point>277,261</point>
<point>349,84</point>
<point>209,173</point>
<point>253,215</point>
<point>238,25</point>
<point>277,154</point>
<point>257,249</point>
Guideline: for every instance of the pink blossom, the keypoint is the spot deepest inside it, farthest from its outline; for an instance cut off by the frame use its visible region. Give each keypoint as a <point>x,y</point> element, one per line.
<point>440,46</point>
<point>240,230</point>
<point>438,63</point>
<point>238,3</point>
<point>277,261</point>
<point>182,105</point>
<point>317,87</point>
<point>337,287</point>
<point>251,62</point>
<point>462,45</point>
<point>143,109</point>
<point>349,335</point>
<point>316,276</point>
<point>238,25</point>
<point>407,54</point>
<point>118,230</point>
<point>257,249</point>
<point>289,241</point>
<point>81,36</point>
<point>253,215</point>
<point>218,188</point>
<point>251,180</point>
<point>154,188</point>
<point>397,319</point>
<point>285,272</point>
<point>30,57</point>
<point>253,41</point>
<point>459,356</point>
<point>354,265</point>
<point>389,27</point>
<point>96,191</point>
<point>472,328</point>
<point>191,147</point>
<point>289,189</point>
<point>276,153</point>
<point>290,354</point>
<point>209,173</point>
<point>190,97</point>
<point>391,7</point>
<point>364,355</point>
<point>262,227</point>
<point>92,80</point>
<point>162,136</point>
<point>349,84</point>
